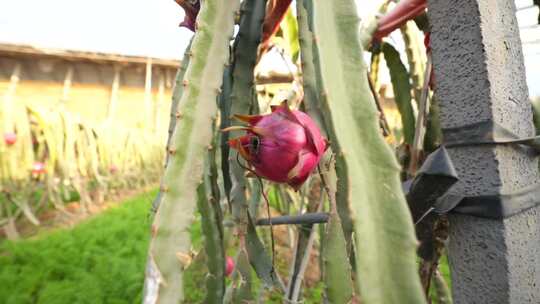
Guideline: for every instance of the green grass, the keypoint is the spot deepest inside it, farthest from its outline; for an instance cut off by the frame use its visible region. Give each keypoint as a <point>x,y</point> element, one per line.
<point>100,261</point>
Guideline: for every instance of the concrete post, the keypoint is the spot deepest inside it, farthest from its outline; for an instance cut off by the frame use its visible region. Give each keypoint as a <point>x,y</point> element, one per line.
<point>480,76</point>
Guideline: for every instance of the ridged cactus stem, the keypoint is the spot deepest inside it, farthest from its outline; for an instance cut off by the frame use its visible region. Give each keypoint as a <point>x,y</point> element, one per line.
<point>211,218</point>
<point>442,291</point>
<point>374,70</point>
<point>433,138</point>
<point>245,55</point>
<point>420,128</point>
<point>311,92</point>
<point>382,220</point>
<point>225,113</point>
<point>170,241</point>
<point>402,90</point>
<point>241,102</point>
<point>240,289</point>
<point>416,56</point>
<point>337,275</point>
<point>177,94</point>
<point>343,202</point>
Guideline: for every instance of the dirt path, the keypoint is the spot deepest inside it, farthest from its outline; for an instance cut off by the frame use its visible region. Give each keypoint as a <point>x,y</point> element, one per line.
<point>72,215</point>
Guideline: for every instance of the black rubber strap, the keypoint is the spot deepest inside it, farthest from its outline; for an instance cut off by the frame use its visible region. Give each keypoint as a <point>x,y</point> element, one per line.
<point>496,206</point>
<point>486,133</point>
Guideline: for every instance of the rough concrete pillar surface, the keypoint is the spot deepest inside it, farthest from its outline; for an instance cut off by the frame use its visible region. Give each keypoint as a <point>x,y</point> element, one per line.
<point>480,76</point>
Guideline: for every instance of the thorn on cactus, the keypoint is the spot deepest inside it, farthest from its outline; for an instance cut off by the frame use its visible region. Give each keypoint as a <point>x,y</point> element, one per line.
<point>284,146</point>
<point>229,266</point>
<point>185,259</point>
<point>10,138</point>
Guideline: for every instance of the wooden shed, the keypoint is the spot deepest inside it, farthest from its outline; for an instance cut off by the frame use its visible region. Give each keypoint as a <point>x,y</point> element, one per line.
<point>95,86</point>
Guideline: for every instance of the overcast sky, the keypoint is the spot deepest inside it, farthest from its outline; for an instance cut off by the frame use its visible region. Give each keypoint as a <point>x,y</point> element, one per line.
<point>150,27</point>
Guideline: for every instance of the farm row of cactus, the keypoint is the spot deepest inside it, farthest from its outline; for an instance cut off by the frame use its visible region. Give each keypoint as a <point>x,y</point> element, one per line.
<point>367,245</point>
<point>50,158</point>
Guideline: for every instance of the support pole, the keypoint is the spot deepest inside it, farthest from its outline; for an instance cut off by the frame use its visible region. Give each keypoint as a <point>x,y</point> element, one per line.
<point>67,84</point>
<point>148,94</point>
<point>111,113</point>
<point>160,101</point>
<point>480,77</point>
<point>7,107</point>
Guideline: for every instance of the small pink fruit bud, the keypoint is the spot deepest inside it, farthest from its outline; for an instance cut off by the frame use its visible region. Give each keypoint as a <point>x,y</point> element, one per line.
<point>10,138</point>
<point>229,266</point>
<point>284,146</point>
<point>113,169</point>
<point>38,168</point>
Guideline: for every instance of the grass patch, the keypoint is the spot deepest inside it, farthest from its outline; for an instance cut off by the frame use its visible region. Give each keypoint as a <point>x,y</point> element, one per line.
<point>101,260</point>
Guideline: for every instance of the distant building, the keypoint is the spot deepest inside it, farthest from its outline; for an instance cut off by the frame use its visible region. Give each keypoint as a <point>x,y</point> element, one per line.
<point>95,86</point>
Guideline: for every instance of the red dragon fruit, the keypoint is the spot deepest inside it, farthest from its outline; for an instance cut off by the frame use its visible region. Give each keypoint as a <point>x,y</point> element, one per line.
<point>10,138</point>
<point>229,266</point>
<point>283,146</point>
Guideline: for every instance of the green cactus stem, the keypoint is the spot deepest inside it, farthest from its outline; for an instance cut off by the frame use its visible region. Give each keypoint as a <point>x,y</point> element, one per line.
<point>212,227</point>
<point>319,101</point>
<point>381,218</point>
<point>433,138</point>
<point>416,56</point>
<point>442,292</point>
<point>374,69</point>
<point>402,90</point>
<point>170,241</point>
<point>225,118</point>
<point>176,95</point>
<point>311,92</point>
<point>240,289</point>
<point>337,275</point>
<point>245,55</point>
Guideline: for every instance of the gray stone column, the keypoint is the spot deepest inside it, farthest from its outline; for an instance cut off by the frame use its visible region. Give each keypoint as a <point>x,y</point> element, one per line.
<point>480,76</point>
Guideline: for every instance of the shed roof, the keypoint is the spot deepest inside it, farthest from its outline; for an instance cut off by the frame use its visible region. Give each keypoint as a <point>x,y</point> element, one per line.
<point>16,50</point>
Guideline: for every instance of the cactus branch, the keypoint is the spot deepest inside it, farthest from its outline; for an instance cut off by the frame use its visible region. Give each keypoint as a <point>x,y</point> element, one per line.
<point>382,223</point>
<point>211,218</point>
<point>170,240</point>
<point>420,128</point>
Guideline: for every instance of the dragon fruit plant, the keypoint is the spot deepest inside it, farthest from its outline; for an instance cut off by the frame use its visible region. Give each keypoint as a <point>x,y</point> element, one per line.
<point>283,149</point>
